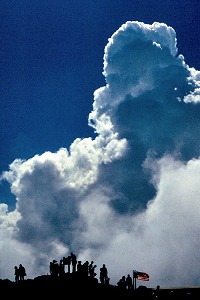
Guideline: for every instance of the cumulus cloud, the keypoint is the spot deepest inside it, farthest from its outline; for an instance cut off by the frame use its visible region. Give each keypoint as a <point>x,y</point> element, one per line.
<point>128,198</point>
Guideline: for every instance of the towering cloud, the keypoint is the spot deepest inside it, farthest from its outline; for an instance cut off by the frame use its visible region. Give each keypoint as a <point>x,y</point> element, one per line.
<point>130,197</point>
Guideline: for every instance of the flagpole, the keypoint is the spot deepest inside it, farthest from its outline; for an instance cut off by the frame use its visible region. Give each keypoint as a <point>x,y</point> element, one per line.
<point>134,280</point>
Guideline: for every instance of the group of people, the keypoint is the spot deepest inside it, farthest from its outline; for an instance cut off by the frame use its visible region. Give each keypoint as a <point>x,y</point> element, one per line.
<point>73,265</point>
<point>20,272</point>
<point>58,269</point>
<point>125,282</point>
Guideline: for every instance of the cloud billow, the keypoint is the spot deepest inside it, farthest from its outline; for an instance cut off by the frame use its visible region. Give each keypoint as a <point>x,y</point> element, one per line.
<point>144,99</point>
<point>128,188</point>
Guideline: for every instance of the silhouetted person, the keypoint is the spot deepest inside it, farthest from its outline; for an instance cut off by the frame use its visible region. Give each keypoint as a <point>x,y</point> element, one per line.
<point>86,268</point>
<point>67,261</point>
<point>16,273</point>
<point>92,269</point>
<point>22,272</point>
<point>74,262</point>
<point>79,267</point>
<point>122,283</point>
<point>61,268</point>
<point>50,267</point>
<point>103,274</point>
<point>119,283</point>
<point>157,294</point>
<point>54,268</point>
<point>129,282</point>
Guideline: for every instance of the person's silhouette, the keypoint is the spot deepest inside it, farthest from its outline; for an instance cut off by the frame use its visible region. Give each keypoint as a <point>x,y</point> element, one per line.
<point>16,273</point>
<point>54,268</point>
<point>67,261</point>
<point>74,262</point>
<point>103,274</point>
<point>61,268</point>
<point>22,272</point>
<point>92,269</point>
<point>129,282</point>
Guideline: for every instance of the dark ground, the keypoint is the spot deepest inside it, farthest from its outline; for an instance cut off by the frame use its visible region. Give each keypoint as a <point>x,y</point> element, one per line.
<point>72,286</point>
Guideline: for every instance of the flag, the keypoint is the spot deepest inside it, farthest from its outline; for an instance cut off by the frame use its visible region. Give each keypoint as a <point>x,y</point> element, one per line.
<point>141,276</point>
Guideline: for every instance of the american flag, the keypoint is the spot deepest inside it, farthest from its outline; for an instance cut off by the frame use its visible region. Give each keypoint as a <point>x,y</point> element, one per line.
<point>141,276</point>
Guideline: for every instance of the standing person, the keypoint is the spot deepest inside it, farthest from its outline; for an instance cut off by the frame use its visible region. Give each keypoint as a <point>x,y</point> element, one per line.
<point>51,267</point>
<point>22,272</point>
<point>67,261</point>
<point>79,267</point>
<point>103,274</point>
<point>129,282</point>
<point>92,269</point>
<point>85,268</point>
<point>54,268</point>
<point>16,273</point>
<point>74,262</point>
<point>61,268</point>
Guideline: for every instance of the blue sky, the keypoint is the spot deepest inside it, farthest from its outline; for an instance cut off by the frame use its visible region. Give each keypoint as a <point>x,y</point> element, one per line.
<point>94,122</point>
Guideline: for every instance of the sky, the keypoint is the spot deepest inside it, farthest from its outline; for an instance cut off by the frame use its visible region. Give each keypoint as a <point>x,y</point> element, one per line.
<point>99,155</point>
